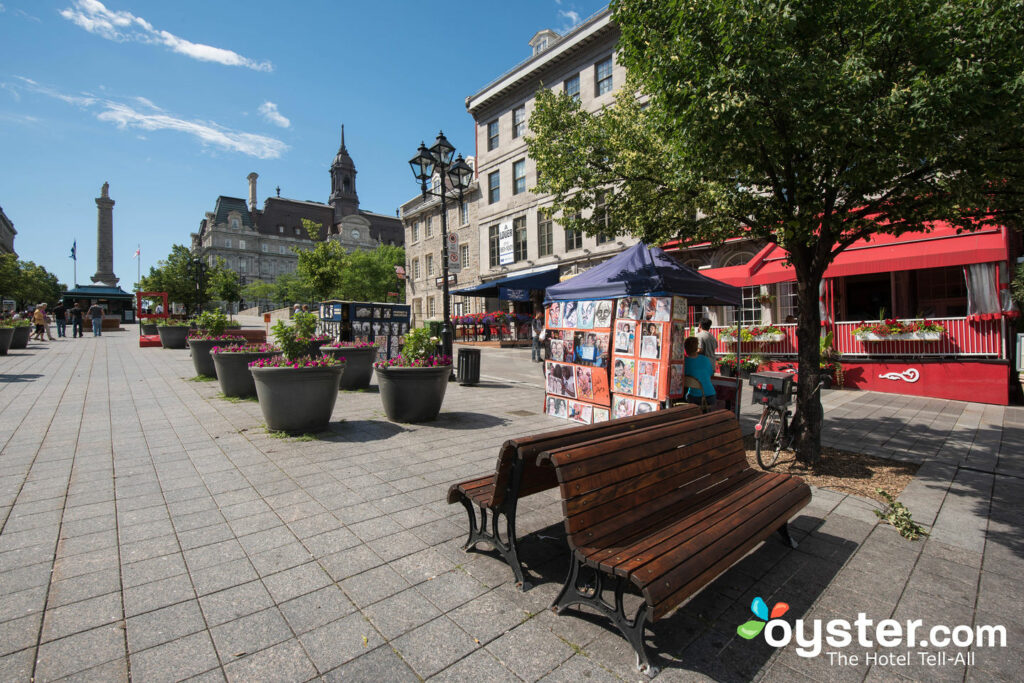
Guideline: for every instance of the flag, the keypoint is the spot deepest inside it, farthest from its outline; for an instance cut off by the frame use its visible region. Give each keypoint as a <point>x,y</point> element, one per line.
<point>74,250</point>
<point>137,252</point>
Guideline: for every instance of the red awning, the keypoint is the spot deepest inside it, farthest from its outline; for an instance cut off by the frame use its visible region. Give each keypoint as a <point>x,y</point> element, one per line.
<point>939,248</point>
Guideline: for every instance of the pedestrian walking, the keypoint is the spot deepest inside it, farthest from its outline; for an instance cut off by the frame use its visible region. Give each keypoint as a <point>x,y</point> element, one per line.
<point>60,316</point>
<point>39,320</point>
<point>537,333</point>
<point>76,320</point>
<point>46,317</point>
<point>95,314</point>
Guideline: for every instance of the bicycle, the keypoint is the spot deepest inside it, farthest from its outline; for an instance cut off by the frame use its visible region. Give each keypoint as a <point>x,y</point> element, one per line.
<point>772,433</point>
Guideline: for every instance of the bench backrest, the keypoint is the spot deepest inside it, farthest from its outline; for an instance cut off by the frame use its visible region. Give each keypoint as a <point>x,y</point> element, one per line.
<point>612,483</point>
<point>536,478</point>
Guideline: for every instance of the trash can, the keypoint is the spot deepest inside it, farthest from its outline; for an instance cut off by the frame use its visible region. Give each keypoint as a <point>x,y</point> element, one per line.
<point>468,368</point>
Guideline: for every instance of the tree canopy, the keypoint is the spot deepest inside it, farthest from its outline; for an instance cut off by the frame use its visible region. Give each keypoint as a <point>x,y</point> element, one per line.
<point>27,283</point>
<point>808,124</point>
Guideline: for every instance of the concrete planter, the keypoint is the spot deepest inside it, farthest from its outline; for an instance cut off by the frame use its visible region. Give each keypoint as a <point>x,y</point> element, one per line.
<point>297,400</point>
<point>201,359</point>
<point>6,335</point>
<point>148,329</point>
<point>233,372</point>
<point>413,394</point>
<point>173,336</point>
<point>314,344</point>
<point>358,365</point>
<point>20,338</point>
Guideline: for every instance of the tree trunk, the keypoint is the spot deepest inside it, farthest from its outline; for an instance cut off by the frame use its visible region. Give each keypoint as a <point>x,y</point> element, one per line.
<point>807,423</point>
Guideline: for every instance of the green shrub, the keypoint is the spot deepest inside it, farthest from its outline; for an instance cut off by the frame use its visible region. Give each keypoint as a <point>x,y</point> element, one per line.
<point>214,322</point>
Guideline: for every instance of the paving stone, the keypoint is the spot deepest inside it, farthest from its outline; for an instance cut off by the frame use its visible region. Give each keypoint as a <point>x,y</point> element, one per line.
<point>224,575</point>
<point>331,645</point>
<point>434,646</point>
<point>296,581</point>
<point>158,594</point>
<point>84,587</point>
<point>349,562</point>
<point>251,633</point>
<point>316,609</point>
<point>400,613</point>
<point>79,652</point>
<point>176,660</point>
<point>373,585</point>
<point>17,666</point>
<point>235,602</point>
<point>488,616</point>
<point>451,589</point>
<point>81,616</point>
<point>283,662</point>
<point>163,625</point>
<point>381,664</point>
<point>17,634</point>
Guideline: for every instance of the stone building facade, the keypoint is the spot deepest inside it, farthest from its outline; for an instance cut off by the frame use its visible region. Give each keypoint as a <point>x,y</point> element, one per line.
<point>422,223</point>
<point>583,64</point>
<point>7,233</point>
<point>258,243</point>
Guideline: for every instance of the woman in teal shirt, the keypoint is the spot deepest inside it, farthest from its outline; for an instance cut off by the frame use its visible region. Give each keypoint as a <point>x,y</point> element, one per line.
<point>700,367</point>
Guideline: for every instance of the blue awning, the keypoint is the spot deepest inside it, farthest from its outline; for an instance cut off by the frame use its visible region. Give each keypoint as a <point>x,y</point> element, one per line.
<point>537,279</point>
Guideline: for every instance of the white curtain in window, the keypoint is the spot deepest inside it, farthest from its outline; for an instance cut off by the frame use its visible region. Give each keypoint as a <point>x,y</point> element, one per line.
<point>982,289</point>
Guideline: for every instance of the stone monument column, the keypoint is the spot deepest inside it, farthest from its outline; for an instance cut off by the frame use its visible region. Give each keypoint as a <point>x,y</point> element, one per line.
<point>105,239</point>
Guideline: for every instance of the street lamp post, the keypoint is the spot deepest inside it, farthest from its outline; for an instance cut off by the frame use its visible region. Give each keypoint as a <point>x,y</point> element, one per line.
<point>198,269</point>
<point>460,175</point>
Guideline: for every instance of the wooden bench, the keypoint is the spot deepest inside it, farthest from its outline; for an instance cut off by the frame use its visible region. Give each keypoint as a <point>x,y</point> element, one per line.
<point>665,509</point>
<point>517,475</point>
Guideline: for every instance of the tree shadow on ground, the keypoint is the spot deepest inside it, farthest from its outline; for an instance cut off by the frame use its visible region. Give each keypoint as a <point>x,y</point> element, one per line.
<point>10,379</point>
<point>458,419</point>
<point>700,636</point>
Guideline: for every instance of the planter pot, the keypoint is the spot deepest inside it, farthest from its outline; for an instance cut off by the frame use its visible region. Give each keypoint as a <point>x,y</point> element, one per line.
<point>173,336</point>
<point>6,335</point>
<point>201,359</point>
<point>870,336</point>
<point>20,338</point>
<point>148,329</point>
<point>726,371</point>
<point>770,338</point>
<point>413,394</point>
<point>313,346</point>
<point>297,399</point>
<point>233,372</point>
<point>358,365</point>
<point>922,336</point>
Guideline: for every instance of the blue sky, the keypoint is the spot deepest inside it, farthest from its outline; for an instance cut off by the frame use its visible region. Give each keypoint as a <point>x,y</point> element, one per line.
<point>174,103</point>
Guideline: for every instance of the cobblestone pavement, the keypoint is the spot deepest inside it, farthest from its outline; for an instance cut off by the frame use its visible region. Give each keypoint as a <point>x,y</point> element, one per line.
<point>155,531</point>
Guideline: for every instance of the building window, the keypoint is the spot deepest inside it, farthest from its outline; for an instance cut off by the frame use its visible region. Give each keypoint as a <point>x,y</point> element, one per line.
<point>263,248</point>
<point>603,76</point>
<point>492,246</point>
<point>241,244</point>
<point>750,311</point>
<point>297,231</point>
<point>234,223</point>
<point>243,265</point>
<point>280,229</point>
<point>602,216</point>
<point>573,239</point>
<point>211,260</point>
<point>519,121</point>
<point>519,239</point>
<point>415,269</point>
<point>281,249</point>
<point>464,255</point>
<point>492,135</point>
<point>545,241</point>
<point>786,296</point>
<point>572,87</point>
<point>416,231</point>
<point>429,258</point>
<point>227,243</point>
<point>519,177</point>
<point>417,307</point>
<point>429,230</point>
<point>430,307</point>
<point>464,213</point>
<point>494,187</point>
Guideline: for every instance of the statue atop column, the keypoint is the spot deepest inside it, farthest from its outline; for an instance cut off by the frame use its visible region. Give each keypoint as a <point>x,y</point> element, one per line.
<point>105,239</point>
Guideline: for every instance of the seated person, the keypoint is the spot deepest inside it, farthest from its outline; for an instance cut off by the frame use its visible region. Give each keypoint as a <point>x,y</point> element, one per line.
<point>700,367</point>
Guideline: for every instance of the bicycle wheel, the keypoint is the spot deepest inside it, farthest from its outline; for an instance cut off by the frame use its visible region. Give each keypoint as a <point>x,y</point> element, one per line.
<point>769,444</point>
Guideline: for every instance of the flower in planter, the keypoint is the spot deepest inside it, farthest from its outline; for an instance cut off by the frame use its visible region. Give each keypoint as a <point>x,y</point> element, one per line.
<point>417,352</point>
<point>300,362</point>
<point>244,348</point>
<point>401,361</point>
<point>173,322</point>
<point>198,335</point>
<point>924,325</point>
<point>351,345</point>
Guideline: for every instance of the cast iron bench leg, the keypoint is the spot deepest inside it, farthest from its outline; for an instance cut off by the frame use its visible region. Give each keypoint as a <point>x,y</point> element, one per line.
<point>507,549</point>
<point>573,593</point>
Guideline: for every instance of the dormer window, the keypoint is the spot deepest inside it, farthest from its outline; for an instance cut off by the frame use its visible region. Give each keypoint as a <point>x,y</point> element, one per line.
<point>297,231</point>
<point>235,223</point>
<point>280,229</point>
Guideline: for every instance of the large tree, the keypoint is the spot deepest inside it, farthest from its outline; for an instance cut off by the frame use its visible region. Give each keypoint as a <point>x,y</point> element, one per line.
<point>808,124</point>
<point>176,275</point>
<point>370,275</point>
<point>224,283</point>
<point>321,267</point>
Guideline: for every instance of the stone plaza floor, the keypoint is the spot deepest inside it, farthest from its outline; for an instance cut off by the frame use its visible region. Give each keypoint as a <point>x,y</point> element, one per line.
<point>153,531</point>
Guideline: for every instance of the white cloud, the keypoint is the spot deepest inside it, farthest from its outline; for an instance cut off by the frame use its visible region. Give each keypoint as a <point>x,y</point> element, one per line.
<point>271,114</point>
<point>122,26</point>
<point>571,17</point>
<point>140,114</point>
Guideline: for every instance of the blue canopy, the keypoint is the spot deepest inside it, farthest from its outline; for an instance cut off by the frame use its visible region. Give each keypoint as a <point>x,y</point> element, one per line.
<point>645,271</point>
<point>536,279</point>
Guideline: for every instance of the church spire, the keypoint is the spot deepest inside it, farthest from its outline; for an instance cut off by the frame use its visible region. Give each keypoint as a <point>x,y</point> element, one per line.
<point>343,136</point>
<point>343,182</point>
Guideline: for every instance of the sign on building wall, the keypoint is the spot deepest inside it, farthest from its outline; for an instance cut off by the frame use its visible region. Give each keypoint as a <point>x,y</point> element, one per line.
<point>508,294</point>
<point>505,246</point>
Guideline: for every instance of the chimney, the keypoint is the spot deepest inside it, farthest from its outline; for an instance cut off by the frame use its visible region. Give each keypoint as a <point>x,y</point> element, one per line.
<point>252,190</point>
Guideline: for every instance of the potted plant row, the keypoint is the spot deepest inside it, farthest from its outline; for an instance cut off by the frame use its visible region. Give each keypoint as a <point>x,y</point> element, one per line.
<point>22,330</point>
<point>759,333</point>
<point>751,363</point>
<point>296,391</point>
<point>413,384</point>
<point>893,329</point>
<point>6,335</point>
<point>209,332</point>
<point>359,357</point>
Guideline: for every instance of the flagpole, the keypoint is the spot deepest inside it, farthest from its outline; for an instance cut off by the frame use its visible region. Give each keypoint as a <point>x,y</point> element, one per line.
<point>138,266</point>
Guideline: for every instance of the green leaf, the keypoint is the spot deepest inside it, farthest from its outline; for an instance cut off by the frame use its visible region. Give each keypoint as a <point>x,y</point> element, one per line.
<point>750,629</point>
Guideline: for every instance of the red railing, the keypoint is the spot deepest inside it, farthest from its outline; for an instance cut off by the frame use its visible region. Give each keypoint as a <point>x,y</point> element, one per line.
<point>962,337</point>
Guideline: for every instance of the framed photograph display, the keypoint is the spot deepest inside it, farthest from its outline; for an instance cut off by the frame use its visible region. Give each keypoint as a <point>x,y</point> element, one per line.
<point>578,346</point>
